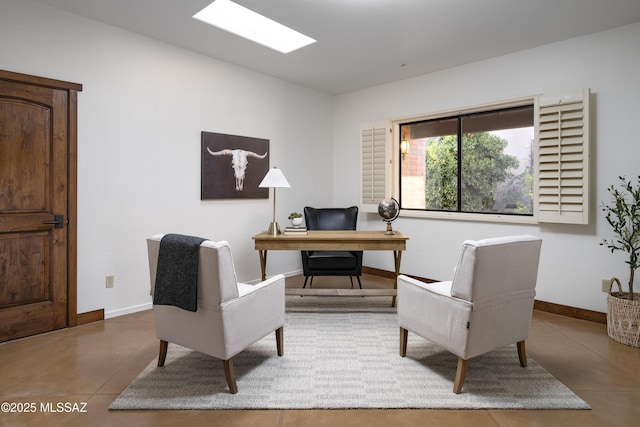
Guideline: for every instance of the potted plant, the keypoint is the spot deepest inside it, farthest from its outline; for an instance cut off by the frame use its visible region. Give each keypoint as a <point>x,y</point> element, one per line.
<point>295,218</point>
<point>623,215</point>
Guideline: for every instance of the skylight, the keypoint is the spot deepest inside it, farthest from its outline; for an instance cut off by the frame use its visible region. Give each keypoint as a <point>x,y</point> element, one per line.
<point>246,23</point>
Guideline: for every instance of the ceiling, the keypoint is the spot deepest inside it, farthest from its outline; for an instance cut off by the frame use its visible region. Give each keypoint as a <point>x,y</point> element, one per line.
<point>363,43</point>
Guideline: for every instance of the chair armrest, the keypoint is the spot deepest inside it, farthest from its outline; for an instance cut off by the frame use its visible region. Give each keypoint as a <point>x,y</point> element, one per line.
<point>424,296</point>
<point>248,289</point>
<point>425,309</point>
<point>256,304</point>
<point>439,288</point>
<point>253,315</point>
<point>255,298</point>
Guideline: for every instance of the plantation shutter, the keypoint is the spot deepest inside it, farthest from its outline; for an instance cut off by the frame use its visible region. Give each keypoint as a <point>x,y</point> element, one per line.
<point>561,190</point>
<point>373,165</point>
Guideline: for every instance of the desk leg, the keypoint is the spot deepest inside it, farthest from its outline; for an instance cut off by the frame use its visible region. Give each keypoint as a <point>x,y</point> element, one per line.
<point>397,258</point>
<point>263,263</point>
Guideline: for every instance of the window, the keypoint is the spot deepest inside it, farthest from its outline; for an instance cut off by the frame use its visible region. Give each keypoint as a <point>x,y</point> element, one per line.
<point>475,163</point>
<point>524,160</point>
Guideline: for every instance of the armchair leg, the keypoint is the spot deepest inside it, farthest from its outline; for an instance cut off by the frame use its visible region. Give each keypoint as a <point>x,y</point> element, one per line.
<point>461,373</point>
<point>230,376</point>
<point>162,354</point>
<point>280,340</point>
<point>522,354</point>
<point>359,282</point>
<point>403,342</point>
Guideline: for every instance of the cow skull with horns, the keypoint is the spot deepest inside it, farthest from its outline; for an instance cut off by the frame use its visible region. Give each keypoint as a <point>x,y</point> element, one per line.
<point>239,161</point>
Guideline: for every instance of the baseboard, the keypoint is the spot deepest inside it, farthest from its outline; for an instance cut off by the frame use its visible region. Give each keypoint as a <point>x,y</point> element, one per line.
<point>378,272</point>
<point>293,273</point>
<point>97,315</point>
<point>391,275</point>
<point>289,274</point>
<point>549,307</point>
<point>565,310</point>
<point>128,310</point>
<point>90,316</point>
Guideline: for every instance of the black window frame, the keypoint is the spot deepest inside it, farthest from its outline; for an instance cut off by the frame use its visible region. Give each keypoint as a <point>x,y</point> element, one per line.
<point>460,154</point>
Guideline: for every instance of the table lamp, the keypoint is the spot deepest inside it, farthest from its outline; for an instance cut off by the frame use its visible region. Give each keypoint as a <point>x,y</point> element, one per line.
<point>274,179</point>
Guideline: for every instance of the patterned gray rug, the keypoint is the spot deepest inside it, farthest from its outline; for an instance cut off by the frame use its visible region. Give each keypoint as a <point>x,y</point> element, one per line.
<point>343,353</point>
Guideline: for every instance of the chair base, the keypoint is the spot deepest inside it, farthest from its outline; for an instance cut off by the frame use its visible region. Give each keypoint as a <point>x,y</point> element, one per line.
<point>522,353</point>
<point>229,374</point>
<point>280,340</point>
<point>162,354</point>
<point>461,371</point>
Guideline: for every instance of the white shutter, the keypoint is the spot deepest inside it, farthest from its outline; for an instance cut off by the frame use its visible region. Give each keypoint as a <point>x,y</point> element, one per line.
<point>373,165</point>
<point>561,191</point>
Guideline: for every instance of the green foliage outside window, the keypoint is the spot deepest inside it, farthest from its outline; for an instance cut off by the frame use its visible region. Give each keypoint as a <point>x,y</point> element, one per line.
<point>488,181</point>
<point>442,173</point>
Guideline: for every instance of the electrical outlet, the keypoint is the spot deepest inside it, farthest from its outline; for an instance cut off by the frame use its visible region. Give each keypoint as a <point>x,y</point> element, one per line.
<point>605,285</point>
<point>110,281</point>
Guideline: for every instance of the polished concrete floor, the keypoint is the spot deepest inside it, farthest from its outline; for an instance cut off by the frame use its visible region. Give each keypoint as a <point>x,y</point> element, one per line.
<point>91,364</point>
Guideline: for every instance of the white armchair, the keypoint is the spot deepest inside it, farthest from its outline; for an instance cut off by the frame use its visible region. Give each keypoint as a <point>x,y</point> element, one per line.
<point>488,304</point>
<point>230,316</point>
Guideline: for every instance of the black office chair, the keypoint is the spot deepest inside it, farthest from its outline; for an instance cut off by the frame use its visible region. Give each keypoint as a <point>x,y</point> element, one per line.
<point>331,263</point>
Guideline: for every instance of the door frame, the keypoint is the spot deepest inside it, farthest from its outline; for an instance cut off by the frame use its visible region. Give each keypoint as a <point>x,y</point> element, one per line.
<point>72,90</point>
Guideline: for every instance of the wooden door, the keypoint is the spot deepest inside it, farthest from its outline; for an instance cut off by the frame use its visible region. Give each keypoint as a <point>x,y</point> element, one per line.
<point>37,205</point>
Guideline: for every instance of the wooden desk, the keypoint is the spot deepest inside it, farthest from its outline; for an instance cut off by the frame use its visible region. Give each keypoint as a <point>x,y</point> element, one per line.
<point>347,240</point>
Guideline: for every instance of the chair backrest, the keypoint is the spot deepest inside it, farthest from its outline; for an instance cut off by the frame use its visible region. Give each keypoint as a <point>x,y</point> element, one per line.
<point>502,268</point>
<point>217,280</point>
<point>331,218</point>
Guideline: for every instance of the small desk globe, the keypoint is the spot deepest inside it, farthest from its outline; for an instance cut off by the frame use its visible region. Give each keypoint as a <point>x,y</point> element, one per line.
<point>389,209</point>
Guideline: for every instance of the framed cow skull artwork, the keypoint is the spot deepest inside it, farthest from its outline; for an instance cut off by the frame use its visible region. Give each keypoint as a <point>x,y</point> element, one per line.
<point>233,166</point>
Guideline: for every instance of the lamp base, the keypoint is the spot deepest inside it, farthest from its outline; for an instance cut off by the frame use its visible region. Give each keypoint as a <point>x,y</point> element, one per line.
<point>274,229</point>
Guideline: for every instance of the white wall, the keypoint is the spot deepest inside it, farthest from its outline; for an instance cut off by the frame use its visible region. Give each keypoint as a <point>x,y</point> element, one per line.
<point>141,111</point>
<point>572,261</point>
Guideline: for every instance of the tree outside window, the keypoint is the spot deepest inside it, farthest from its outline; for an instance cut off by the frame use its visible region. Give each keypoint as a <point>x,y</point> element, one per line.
<point>480,163</point>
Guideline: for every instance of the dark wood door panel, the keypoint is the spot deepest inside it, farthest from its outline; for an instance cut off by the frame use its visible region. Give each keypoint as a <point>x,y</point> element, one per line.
<point>24,272</point>
<point>12,222</point>
<point>26,145</point>
<point>37,146</point>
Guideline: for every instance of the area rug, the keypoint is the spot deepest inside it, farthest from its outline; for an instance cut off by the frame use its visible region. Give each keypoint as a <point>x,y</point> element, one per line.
<point>342,353</point>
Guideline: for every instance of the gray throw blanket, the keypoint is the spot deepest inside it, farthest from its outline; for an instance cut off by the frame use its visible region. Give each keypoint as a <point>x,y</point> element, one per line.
<point>177,272</point>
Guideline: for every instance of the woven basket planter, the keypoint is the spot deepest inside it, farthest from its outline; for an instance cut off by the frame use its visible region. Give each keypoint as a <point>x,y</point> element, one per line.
<point>623,317</point>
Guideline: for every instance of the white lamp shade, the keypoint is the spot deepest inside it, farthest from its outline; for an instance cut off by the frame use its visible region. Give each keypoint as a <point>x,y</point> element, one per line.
<point>274,179</point>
